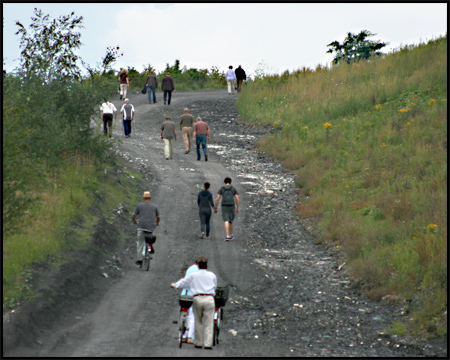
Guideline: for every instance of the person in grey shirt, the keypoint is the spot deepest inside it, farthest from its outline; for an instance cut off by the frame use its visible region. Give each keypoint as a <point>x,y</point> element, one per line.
<point>128,116</point>
<point>168,134</point>
<point>148,221</point>
<point>152,83</point>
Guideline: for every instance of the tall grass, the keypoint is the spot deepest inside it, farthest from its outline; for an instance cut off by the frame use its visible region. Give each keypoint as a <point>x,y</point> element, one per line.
<point>368,143</point>
<point>65,199</point>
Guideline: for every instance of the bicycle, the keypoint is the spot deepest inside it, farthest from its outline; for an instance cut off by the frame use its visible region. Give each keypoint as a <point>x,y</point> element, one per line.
<point>185,303</point>
<point>148,249</point>
<point>220,300</point>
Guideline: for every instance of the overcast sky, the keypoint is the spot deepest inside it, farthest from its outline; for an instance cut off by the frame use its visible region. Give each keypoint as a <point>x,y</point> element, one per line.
<point>282,36</point>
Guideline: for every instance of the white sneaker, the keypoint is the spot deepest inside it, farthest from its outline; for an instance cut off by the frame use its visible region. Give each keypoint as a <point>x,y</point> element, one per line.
<point>203,235</point>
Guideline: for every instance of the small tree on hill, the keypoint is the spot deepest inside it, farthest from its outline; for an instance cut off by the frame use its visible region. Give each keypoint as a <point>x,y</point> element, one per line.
<point>48,47</point>
<point>355,47</point>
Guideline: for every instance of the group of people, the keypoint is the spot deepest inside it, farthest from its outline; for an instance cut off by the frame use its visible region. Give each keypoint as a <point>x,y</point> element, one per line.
<point>198,281</point>
<point>167,86</point>
<point>192,130</point>
<point>238,76</point>
<point>108,110</point>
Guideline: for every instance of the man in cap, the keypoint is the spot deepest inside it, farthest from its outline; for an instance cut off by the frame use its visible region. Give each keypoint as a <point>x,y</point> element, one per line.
<point>201,134</point>
<point>148,221</point>
<point>168,134</point>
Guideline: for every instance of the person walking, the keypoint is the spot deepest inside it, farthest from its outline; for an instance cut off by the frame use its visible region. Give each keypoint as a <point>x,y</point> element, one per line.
<point>167,86</point>
<point>189,334</point>
<point>202,285</point>
<point>230,77</point>
<point>152,83</point>
<point>240,77</point>
<point>149,218</point>
<point>187,129</point>
<point>107,110</point>
<point>230,207</point>
<point>169,134</point>
<point>205,202</point>
<point>201,134</point>
<point>128,116</point>
<point>124,83</point>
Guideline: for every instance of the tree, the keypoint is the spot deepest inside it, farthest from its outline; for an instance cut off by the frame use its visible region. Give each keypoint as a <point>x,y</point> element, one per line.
<point>112,54</point>
<point>355,47</point>
<point>48,46</point>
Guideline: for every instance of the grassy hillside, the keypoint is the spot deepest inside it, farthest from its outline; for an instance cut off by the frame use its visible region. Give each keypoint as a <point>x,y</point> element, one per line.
<point>368,143</point>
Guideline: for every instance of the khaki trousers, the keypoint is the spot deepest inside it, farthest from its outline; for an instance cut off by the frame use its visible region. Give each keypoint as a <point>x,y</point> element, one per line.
<point>187,137</point>
<point>204,320</point>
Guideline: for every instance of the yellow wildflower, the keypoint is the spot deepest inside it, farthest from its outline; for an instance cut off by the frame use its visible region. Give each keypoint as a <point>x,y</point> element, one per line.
<point>276,124</point>
<point>444,100</point>
<point>383,145</point>
<point>346,186</point>
<point>404,110</point>
<point>357,136</point>
<point>346,153</point>
<point>412,104</point>
<point>378,107</point>
<point>408,123</point>
<point>432,226</point>
<point>305,128</point>
<point>327,125</point>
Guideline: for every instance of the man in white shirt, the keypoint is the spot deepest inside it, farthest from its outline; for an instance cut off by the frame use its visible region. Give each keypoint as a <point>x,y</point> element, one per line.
<point>106,113</point>
<point>202,285</point>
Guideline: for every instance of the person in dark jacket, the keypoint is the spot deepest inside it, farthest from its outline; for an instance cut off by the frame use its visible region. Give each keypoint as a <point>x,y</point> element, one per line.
<point>240,77</point>
<point>205,202</point>
<point>167,86</point>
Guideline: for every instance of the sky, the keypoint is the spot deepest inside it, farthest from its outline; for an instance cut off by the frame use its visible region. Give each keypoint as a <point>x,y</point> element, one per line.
<point>272,37</point>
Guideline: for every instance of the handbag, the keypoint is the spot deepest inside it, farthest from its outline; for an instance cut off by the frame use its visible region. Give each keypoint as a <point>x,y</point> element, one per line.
<point>144,90</point>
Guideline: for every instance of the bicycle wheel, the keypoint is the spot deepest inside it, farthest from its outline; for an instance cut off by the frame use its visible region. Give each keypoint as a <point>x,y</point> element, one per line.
<point>181,330</point>
<point>146,258</point>
<point>215,334</point>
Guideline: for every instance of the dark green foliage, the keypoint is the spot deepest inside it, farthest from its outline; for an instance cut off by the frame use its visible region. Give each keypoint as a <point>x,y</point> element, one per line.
<point>355,47</point>
<point>47,110</point>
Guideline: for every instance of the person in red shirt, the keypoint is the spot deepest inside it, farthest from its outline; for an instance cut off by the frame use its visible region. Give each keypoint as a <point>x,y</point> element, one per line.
<point>201,134</point>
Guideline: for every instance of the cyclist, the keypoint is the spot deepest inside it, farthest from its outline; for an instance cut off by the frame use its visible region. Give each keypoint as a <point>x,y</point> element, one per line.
<point>189,334</point>
<point>203,285</point>
<point>230,207</point>
<point>148,220</point>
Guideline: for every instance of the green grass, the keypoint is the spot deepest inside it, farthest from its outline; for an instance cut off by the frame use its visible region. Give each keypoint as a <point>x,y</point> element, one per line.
<point>368,145</point>
<point>66,199</point>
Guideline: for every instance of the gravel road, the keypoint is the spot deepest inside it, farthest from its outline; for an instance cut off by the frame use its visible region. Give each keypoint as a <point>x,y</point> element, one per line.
<point>293,297</point>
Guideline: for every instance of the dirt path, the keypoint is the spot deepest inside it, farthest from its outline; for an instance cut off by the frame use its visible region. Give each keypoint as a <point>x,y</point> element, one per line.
<point>273,261</point>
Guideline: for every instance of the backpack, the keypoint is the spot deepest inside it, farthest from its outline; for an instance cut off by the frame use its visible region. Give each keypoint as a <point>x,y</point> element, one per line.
<point>227,197</point>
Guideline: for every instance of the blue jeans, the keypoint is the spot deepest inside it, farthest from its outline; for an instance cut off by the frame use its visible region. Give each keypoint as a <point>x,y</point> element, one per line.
<point>127,127</point>
<point>151,89</point>
<point>201,139</point>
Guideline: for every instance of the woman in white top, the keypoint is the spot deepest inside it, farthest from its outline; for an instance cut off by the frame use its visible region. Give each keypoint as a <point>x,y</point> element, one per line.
<point>230,77</point>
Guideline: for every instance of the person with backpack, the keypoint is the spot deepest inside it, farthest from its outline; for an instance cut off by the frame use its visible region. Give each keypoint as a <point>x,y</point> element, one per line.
<point>230,207</point>
<point>205,202</point>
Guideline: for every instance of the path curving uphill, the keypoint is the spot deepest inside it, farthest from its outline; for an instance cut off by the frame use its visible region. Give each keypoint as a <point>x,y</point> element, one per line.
<point>292,297</point>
